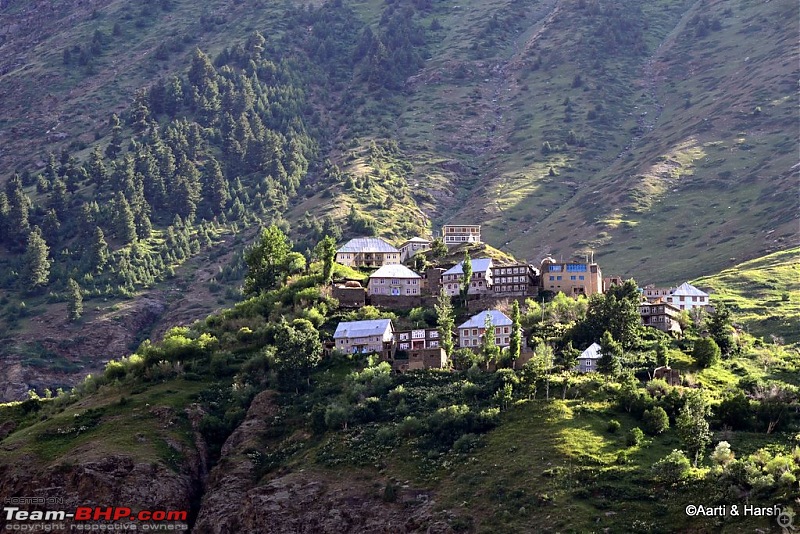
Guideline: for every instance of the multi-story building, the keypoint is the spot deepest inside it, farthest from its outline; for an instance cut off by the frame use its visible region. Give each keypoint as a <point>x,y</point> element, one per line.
<point>471,332</point>
<point>683,297</point>
<point>421,338</point>
<point>376,335</point>
<point>395,280</point>
<point>367,252</point>
<point>456,234</point>
<point>414,245</point>
<point>661,315</point>
<point>480,282</point>
<point>687,297</point>
<point>514,279</point>
<point>571,278</point>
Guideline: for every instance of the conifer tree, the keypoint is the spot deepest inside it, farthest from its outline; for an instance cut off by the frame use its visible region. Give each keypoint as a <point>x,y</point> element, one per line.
<point>35,270</point>
<point>215,188</point>
<point>96,168</point>
<point>611,353</point>
<point>74,300</point>
<point>124,224</point>
<point>445,322</point>
<point>326,251</point>
<point>515,342</point>
<point>115,146</point>
<point>98,250</point>
<point>466,267</point>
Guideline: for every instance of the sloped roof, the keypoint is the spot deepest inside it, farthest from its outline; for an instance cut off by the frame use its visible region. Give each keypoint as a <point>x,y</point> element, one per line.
<point>372,327</point>
<point>417,240</point>
<point>591,353</point>
<point>687,289</point>
<point>479,265</point>
<point>394,271</point>
<point>367,244</point>
<point>479,321</point>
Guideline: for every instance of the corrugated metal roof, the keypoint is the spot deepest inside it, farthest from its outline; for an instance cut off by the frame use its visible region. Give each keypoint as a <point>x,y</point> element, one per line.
<point>372,327</point>
<point>592,353</point>
<point>479,265</point>
<point>687,289</point>
<point>478,321</point>
<point>367,244</point>
<point>417,240</point>
<point>394,271</point>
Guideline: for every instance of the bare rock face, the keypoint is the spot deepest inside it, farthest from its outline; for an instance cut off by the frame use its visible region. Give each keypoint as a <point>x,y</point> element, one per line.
<point>112,481</point>
<point>302,502</point>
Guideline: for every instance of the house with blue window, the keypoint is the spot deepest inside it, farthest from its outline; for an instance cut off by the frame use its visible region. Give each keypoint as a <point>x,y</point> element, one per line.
<point>571,278</point>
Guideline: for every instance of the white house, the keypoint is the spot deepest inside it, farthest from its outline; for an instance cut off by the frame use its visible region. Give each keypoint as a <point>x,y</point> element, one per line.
<point>395,280</point>
<point>686,297</point>
<point>481,277</point>
<point>471,332</point>
<point>414,245</point>
<point>587,361</point>
<point>367,252</point>
<point>456,234</point>
<point>364,336</point>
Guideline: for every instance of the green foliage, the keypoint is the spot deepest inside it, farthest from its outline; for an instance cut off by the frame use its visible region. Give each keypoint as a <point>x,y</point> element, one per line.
<point>635,437</point>
<point>445,322</point>
<point>616,311</point>
<point>692,426</point>
<point>706,352</point>
<point>656,421</point>
<point>611,353</point>
<point>325,251</point>
<point>673,468</point>
<point>515,341</point>
<point>74,300</point>
<point>466,280</point>
<point>266,261</point>
<point>613,426</point>
<point>297,351</point>
<point>35,271</point>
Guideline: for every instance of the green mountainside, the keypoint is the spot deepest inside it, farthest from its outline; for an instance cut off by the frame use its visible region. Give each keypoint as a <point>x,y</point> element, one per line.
<point>238,420</point>
<point>149,142</point>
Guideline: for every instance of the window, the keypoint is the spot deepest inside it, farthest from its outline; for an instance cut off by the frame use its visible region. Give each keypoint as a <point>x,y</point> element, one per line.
<point>552,278</point>
<point>474,331</point>
<point>506,330</point>
<point>474,342</point>
<point>505,341</point>
<point>576,267</point>
<point>573,277</point>
<point>558,278</point>
<point>497,341</point>
<point>580,277</point>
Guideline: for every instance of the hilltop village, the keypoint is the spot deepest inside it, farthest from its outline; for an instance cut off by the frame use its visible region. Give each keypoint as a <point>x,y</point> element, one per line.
<point>417,272</point>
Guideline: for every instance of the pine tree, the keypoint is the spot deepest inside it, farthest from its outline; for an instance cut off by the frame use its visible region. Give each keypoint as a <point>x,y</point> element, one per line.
<point>489,347</point>
<point>124,224</point>
<point>115,146</point>
<point>515,342</point>
<point>96,168</point>
<point>466,267</point>
<point>445,322</point>
<point>215,188</point>
<point>74,300</point>
<point>98,250</point>
<point>611,353</point>
<point>35,270</point>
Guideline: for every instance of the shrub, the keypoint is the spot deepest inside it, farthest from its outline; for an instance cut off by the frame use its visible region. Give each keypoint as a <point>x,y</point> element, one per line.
<point>613,426</point>
<point>635,437</point>
<point>673,468</point>
<point>706,352</point>
<point>656,421</point>
<point>466,443</point>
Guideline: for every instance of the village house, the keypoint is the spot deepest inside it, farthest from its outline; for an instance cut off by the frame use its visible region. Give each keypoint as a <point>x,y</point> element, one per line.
<point>456,234</point>
<point>375,335</point>
<point>687,297</point>
<point>514,279</point>
<point>481,280</point>
<point>420,338</point>
<point>683,297</point>
<point>587,361</point>
<point>432,280</point>
<point>367,252</point>
<point>395,280</point>
<point>571,278</point>
<point>611,281</point>
<point>471,332</point>
<point>660,315</point>
<point>414,245</point>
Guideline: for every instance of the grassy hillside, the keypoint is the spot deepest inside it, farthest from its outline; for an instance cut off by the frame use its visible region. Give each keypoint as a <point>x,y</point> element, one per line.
<point>764,294</point>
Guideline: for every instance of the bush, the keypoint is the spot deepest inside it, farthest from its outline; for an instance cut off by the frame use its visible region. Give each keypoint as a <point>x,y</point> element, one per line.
<point>466,443</point>
<point>635,437</point>
<point>673,468</point>
<point>613,426</point>
<point>656,421</point>
<point>706,352</point>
